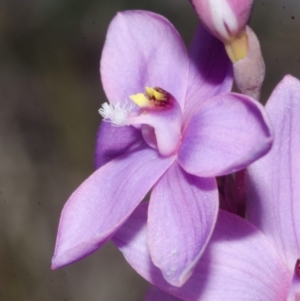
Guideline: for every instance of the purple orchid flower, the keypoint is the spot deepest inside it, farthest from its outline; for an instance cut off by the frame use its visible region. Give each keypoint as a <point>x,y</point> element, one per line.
<point>186,129</point>
<point>244,260</point>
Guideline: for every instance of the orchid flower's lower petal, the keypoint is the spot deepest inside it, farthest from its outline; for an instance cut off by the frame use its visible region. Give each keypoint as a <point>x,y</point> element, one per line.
<point>225,134</point>
<point>155,294</point>
<point>273,191</point>
<point>113,141</point>
<point>143,49</point>
<point>104,201</point>
<point>239,262</point>
<point>182,214</point>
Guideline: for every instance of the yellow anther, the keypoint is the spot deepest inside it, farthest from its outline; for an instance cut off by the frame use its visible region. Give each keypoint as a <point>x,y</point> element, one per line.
<point>237,48</point>
<point>140,100</point>
<point>154,98</point>
<point>153,93</point>
<point>149,91</point>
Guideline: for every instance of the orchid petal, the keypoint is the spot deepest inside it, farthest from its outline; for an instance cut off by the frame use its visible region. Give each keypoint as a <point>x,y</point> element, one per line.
<point>273,191</point>
<point>225,134</point>
<point>104,201</point>
<point>239,262</point>
<point>155,294</point>
<point>210,70</point>
<point>182,214</point>
<point>143,49</point>
<point>113,142</point>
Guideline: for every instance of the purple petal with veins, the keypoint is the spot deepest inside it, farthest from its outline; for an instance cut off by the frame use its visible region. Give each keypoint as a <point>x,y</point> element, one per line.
<point>225,134</point>
<point>273,181</point>
<point>103,202</point>
<point>182,213</point>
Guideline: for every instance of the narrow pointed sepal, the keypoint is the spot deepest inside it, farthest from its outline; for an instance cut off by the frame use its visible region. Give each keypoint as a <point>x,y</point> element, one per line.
<point>104,201</point>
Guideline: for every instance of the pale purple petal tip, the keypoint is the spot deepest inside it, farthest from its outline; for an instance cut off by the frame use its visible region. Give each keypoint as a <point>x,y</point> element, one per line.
<point>182,214</point>
<point>104,201</point>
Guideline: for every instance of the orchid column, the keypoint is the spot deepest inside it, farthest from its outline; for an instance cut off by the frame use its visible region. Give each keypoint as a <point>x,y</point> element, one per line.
<point>227,19</point>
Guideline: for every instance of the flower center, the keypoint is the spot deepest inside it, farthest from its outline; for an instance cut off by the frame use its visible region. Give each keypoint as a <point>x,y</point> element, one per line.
<point>154,98</point>
<point>156,112</point>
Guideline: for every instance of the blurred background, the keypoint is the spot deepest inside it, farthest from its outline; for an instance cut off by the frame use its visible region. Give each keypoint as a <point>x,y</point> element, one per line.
<point>50,92</point>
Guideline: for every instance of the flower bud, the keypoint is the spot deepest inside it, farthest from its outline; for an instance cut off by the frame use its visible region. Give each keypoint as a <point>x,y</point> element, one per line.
<point>225,19</point>
<point>249,72</point>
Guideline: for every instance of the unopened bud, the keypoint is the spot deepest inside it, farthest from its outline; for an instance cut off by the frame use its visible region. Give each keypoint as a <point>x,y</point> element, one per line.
<point>249,72</point>
<point>225,19</point>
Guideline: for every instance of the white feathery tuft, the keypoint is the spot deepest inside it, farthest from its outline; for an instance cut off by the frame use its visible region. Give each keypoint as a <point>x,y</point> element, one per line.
<point>117,113</point>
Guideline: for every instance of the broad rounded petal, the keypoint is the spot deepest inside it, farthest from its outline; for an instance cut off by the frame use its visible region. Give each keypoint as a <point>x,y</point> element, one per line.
<point>113,141</point>
<point>226,134</point>
<point>155,294</point>
<point>210,70</point>
<point>143,49</point>
<point>239,262</point>
<point>273,190</point>
<point>104,201</point>
<point>182,215</point>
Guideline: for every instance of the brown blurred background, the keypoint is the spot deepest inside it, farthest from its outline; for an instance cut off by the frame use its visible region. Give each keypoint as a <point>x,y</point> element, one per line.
<point>49,96</point>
